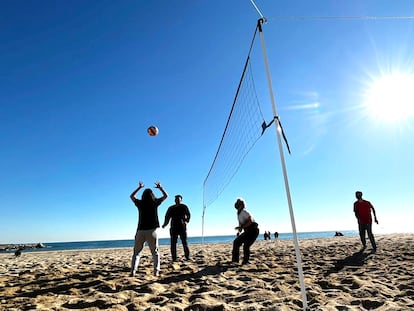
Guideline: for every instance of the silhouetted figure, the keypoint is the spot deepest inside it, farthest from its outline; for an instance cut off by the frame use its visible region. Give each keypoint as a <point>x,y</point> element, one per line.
<point>250,232</point>
<point>276,235</point>
<point>362,210</point>
<point>40,245</point>
<point>147,225</point>
<point>337,233</point>
<point>180,216</point>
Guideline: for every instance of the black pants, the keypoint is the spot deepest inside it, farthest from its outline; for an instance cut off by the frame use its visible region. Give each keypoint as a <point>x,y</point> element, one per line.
<point>247,238</point>
<point>174,233</point>
<point>367,228</point>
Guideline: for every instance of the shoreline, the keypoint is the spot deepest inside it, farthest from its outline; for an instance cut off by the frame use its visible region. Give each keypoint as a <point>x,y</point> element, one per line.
<point>192,240</point>
<point>337,277</point>
<point>34,250</point>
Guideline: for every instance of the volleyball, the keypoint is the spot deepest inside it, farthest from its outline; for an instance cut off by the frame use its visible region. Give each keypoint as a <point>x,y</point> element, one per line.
<point>152,130</point>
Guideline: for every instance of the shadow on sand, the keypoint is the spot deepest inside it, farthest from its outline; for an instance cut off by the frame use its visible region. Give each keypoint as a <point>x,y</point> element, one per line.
<point>357,259</point>
<point>208,270</point>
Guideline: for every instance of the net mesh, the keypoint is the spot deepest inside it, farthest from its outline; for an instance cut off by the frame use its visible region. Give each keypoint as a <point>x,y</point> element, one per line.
<point>244,127</point>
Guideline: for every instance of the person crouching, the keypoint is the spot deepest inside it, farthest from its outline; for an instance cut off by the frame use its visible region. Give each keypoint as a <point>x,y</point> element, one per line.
<point>250,232</point>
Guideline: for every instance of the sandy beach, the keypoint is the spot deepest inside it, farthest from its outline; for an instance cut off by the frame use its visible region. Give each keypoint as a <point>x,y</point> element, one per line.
<point>337,277</point>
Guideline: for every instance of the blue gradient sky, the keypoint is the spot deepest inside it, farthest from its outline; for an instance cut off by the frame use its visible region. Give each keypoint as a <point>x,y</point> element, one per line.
<point>81,81</point>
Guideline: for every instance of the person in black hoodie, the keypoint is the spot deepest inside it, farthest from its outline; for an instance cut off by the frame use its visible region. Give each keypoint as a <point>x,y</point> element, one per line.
<point>180,216</point>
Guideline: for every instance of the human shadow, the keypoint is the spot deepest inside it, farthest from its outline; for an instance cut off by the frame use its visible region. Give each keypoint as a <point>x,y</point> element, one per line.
<point>63,285</point>
<point>357,259</point>
<point>208,270</point>
<point>183,276</point>
<point>97,279</point>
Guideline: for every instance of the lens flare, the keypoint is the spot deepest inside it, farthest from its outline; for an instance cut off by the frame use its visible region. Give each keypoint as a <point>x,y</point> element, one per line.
<point>390,98</point>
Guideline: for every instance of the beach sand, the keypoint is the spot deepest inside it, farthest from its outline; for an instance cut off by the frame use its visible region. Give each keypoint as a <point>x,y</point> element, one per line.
<point>337,277</point>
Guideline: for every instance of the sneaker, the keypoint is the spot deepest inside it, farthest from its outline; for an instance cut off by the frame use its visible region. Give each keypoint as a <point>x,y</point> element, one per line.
<point>156,273</point>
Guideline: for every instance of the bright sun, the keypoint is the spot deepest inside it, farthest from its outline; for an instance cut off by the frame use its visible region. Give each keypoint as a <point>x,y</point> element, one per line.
<point>391,97</point>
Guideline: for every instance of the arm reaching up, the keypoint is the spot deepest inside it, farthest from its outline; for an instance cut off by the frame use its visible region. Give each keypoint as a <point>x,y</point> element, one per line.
<point>164,193</point>
<point>140,186</point>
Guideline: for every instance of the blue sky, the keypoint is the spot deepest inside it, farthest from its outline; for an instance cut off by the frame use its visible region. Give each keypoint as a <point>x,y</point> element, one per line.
<point>81,82</point>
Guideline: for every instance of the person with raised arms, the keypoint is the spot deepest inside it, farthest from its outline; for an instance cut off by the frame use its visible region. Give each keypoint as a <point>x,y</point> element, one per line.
<point>147,225</point>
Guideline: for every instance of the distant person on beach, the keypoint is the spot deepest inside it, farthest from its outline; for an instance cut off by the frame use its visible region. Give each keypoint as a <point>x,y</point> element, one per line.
<point>250,232</point>
<point>180,216</point>
<point>147,225</point>
<point>276,235</point>
<point>337,233</point>
<point>362,210</point>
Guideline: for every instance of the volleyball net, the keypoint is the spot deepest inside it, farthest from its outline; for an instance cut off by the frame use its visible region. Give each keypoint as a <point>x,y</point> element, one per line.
<point>244,127</point>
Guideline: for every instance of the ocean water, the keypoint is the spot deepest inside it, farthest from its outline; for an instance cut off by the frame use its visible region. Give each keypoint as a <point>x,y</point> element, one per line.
<point>59,246</point>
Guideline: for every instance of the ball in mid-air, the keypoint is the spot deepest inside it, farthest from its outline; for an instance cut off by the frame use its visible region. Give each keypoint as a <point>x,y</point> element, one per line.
<point>152,130</point>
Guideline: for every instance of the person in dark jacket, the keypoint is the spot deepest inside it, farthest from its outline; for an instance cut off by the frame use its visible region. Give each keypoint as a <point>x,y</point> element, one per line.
<point>179,214</point>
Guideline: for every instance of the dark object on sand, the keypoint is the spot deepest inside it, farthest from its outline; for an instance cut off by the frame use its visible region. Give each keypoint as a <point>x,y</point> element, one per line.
<point>40,245</point>
<point>337,233</point>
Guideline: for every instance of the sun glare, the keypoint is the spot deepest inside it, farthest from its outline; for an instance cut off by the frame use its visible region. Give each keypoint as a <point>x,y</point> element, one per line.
<point>391,97</point>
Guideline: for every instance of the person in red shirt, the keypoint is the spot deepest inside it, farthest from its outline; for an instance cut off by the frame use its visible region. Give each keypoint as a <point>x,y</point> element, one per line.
<point>362,210</point>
